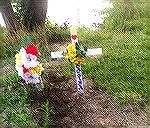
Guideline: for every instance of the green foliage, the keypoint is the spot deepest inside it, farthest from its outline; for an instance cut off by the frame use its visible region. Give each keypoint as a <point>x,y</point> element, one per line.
<point>128,15</point>
<point>47,112</point>
<point>9,79</point>
<point>56,34</point>
<point>8,44</point>
<point>2,46</point>
<point>16,113</point>
<point>20,9</point>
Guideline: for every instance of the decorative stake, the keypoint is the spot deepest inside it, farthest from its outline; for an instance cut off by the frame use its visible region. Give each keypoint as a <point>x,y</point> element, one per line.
<point>79,80</point>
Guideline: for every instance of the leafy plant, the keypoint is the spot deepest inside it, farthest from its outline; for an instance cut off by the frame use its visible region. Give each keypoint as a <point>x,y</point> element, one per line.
<point>56,34</point>
<point>47,112</point>
<point>16,113</point>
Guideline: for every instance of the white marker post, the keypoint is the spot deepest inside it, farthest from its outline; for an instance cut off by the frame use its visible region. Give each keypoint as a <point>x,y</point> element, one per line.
<point>79,80</point>
<point>89,52</point>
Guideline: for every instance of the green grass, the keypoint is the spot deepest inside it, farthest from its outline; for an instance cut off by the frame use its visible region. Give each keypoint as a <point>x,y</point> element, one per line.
<point>13,101</point>
<point>122,68</point>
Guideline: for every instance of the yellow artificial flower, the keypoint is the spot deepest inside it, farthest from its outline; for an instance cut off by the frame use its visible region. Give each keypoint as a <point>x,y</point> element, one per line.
<point>19,60</point>
<point>71,54</point>
<point>79,60</point>
<point>71,48</point>
<point>36,70</point>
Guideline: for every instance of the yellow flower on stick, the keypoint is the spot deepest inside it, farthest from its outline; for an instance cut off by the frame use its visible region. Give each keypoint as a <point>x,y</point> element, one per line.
<point>79,60</point>
<point>71,52</point>
<point>36,70</point>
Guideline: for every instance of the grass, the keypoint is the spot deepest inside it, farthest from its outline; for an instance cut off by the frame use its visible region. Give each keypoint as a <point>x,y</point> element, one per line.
<point>122,68</point>
<point>122,71</point>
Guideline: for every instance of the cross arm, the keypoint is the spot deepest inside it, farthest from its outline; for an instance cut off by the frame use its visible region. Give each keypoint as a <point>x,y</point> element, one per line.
<point>89,52</point>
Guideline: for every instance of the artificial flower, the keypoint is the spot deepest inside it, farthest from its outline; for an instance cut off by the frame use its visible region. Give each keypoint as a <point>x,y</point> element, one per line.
<point>75,54</point>
<point>31,79</point>
<point>32,49</point>
<point>27,65</point>
<point>71,48</point>
<point>70,56</point>
<point>18,59</point>
<point>20,70</point>
<point>79,60</point>
<point>30,61</point>
<point>36,70</point>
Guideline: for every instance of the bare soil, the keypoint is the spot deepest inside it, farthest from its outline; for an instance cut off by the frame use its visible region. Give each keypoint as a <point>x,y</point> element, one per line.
<point>93,108</point>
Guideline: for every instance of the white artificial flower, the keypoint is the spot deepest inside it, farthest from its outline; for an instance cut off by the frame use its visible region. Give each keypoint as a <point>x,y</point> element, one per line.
<point>19,69</point>
<point>31,79</point>
<point>30,61</point>
<point>22,52</point>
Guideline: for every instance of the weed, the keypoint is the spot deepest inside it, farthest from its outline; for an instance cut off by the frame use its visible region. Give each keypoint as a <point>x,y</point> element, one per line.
<point>47,112</point>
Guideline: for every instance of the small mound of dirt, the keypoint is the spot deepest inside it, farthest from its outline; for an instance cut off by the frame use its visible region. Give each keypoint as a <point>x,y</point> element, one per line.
<point>92,108</point>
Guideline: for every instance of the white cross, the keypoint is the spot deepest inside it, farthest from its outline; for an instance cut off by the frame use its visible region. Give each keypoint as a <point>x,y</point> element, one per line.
<point>74,39</point>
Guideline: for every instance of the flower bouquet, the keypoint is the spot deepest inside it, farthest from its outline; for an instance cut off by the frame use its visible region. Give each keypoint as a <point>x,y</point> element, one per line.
<point>75,53</point>
<point>27,65</point>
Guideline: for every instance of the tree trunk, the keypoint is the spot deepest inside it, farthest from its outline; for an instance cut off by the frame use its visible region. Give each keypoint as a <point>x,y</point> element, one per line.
<point>35,13</point>
<point>8,15</point>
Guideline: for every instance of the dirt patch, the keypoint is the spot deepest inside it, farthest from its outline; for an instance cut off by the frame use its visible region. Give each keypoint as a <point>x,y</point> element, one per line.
<point>6,69</point>
<point>59,46</point>
<point>93,108</point>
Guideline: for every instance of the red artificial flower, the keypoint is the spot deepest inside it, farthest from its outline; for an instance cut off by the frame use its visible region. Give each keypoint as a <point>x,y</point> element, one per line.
<point>25,70</point>
<point>32,49</point>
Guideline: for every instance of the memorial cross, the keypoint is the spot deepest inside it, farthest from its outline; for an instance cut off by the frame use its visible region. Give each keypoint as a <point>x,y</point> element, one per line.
<point>74,40</point>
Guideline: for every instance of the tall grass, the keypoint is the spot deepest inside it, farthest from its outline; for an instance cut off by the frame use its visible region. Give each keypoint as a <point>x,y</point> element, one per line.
<point>127,15</point>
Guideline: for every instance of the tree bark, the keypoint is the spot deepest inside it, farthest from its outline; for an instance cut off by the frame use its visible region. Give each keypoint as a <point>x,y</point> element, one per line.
<point>35,13</point>
<point>8,16</point>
